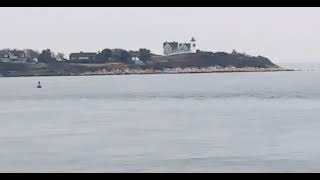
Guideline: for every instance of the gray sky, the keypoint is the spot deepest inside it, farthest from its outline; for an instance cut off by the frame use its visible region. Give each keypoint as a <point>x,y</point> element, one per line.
<point>281,34</point>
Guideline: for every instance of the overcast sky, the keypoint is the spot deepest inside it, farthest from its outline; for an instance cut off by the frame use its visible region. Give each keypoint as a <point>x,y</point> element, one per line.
<point>281,34</point>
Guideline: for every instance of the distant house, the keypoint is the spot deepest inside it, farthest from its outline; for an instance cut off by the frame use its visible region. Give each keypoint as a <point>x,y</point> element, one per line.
<point>137,61</point>
<point>176,48</point>
<point>4,56</point>
<point>170,47</point>
<point>17,56</point>
<point>14,56</point>
<point>90,56</point>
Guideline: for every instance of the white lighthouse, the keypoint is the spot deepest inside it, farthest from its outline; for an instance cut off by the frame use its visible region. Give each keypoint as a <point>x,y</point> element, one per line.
<point>193,45</point>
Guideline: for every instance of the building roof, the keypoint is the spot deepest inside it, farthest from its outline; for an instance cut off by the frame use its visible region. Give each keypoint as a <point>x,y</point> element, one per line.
<point>174,45</point>
<point>84,54</point>
<point>16,53</point>
<point>186,44</point>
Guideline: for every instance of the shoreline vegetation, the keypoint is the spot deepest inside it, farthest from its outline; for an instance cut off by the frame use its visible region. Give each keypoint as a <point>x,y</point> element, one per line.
<point>121,62</point>
<point>103,69</point>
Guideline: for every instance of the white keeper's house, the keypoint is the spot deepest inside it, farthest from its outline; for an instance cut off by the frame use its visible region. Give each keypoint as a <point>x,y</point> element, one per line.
<point>171,48</point>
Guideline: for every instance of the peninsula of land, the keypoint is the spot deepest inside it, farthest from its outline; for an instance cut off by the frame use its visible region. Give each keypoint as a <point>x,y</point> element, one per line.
<point>119,62</point>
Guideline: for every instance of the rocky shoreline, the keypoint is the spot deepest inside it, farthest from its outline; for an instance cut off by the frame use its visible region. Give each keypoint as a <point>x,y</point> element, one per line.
<point>185,71</point>
<point>129,71</point>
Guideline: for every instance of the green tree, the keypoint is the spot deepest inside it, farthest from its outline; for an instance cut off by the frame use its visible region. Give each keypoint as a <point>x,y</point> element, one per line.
<point>125,56</point>
<point>121,55</point>
<point>47,56</point>
<point>144,55</point>
<point>104,55</point>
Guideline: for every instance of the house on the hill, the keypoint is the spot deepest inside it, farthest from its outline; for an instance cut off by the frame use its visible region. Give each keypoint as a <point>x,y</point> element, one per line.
<point>170,48</point>
<point>83,56</point>
<point>4,56</point>
<point>14,56</point>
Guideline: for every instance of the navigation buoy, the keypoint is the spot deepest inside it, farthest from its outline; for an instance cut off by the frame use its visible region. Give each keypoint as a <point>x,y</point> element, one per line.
<point>39,85</point>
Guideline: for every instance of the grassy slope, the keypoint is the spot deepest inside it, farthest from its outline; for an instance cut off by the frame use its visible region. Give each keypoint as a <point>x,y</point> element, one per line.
<point>214,59</point>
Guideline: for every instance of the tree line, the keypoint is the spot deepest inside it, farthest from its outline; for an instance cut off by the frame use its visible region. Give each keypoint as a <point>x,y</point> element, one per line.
<point>104,56</point>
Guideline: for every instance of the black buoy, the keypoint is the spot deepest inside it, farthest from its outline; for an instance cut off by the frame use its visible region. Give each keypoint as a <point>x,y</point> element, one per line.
<point>39,85</point>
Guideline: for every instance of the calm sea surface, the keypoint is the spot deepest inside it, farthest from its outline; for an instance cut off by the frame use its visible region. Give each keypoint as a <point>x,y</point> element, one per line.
<point>219,122</point>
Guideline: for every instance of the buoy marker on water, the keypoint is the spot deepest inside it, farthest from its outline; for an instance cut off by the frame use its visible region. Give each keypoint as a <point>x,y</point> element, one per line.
<point>39,85</point>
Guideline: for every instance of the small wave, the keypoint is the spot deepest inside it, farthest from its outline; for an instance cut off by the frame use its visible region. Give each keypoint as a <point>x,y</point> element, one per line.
<point>156,96</point>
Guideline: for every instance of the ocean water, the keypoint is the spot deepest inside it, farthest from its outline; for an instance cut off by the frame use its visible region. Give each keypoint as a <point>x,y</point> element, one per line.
<point>218,122</point>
